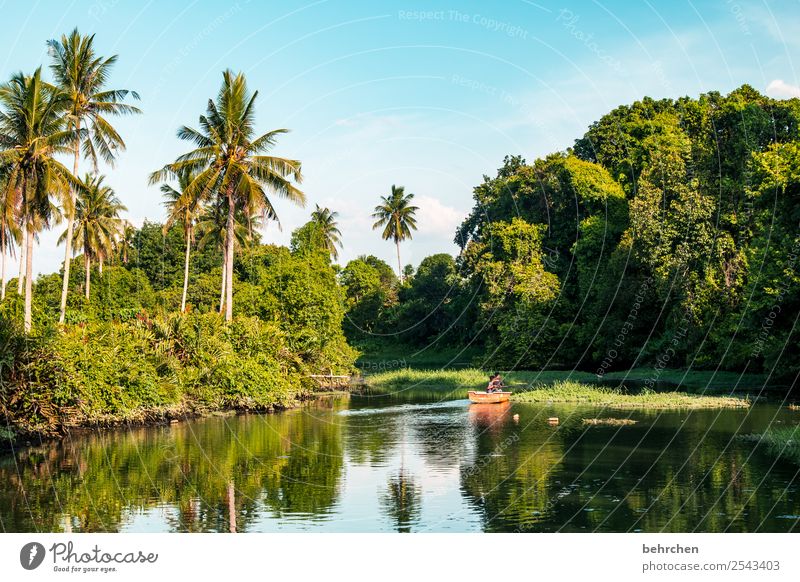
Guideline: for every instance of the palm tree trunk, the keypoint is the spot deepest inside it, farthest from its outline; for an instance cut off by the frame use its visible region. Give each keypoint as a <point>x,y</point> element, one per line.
<point>21,278</point>
<point>399,266</point>
<point>29,280</point>
<point>88,263</point>
<point>224,278</point>
<point>186,270</point>
<point>3,268</point>
<point>229,236</point>
<point>68,242</point>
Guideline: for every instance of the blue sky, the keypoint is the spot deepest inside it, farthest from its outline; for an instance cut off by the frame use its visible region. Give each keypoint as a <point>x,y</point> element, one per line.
<point>429,95</point>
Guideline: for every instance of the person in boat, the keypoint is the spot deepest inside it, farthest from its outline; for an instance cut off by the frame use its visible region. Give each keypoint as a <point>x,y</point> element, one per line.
<point>495,384</point>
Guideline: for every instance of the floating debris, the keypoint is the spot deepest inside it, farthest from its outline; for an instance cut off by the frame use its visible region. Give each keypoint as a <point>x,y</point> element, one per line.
<point>609,421</point>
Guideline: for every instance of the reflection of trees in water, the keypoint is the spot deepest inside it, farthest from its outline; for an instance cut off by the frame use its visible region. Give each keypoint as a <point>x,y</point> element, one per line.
<point>439,439</point>
<point>290,462</point>
<point>372,439</point>
<point>401,502</point>
<point>509,479</point>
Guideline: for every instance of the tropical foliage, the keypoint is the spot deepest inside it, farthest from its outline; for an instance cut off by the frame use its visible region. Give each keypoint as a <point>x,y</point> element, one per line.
<point>81,77</point>
<point>230,164</point>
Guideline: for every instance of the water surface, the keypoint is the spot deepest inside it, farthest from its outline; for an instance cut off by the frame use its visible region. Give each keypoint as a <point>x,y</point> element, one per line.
<point>372,464</point>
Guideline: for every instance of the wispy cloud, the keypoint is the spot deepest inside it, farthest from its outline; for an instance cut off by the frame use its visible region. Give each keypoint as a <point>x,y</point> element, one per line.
<point>779,89</point>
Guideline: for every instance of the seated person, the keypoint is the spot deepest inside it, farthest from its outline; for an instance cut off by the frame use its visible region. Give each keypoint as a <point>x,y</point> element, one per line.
<point>495,384</point>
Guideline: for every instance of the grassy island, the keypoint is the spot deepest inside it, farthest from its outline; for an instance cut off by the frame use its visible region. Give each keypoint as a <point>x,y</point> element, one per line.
<point>542,387</point>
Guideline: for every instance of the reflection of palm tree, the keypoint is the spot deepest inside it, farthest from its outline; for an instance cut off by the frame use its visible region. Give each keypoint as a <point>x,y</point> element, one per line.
<point>402,501</point>
<point>231,507</point>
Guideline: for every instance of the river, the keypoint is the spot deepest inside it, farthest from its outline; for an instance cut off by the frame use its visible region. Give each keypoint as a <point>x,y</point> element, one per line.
<point>368,464</point>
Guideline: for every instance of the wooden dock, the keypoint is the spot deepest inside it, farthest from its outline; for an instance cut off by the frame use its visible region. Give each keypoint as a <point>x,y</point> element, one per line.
<point>334,382</point>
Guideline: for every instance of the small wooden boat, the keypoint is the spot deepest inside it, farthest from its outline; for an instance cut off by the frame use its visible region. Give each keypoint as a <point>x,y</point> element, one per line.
<point>488,397</point>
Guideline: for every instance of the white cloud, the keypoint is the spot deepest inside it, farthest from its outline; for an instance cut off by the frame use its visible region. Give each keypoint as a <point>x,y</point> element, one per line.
<point>779,89</point>
<point>437,219</point>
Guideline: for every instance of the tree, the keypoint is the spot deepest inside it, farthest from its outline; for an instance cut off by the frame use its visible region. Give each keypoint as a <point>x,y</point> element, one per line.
<point>125,243</point>
<point>325,220</point>
<point>184,210</point>
<point>396,215</point>
<point>230,163</point>
<point>10,233</point>
<point>97,223</point>
<point>32,133</point>
<point>81,75</point>
<point>212,226</point>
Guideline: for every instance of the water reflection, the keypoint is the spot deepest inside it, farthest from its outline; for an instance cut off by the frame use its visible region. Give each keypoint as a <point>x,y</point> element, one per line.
<point>362,465</point>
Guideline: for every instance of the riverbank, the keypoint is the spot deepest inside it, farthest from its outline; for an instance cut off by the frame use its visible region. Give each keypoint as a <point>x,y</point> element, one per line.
<point>154,370</point>
<point>694,381</point>
<point>542,387</point>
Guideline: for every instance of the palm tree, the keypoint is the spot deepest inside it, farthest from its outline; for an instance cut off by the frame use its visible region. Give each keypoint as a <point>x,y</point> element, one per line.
<point>126,241</point>
<point>10,233</point>
<point>82,76</point>
<point>396,215</point>
<point>96,224</point>
<point>183,209</point>
<point>212,228</point>
<point>32,133</point>
<point>230,163</point>
<point>329,228</point>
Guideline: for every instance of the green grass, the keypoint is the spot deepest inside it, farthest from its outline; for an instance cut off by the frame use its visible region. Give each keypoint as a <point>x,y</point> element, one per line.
<point>578,393</point>
<point>782,442</point>
<point>538,387</point>
<point>696,381</point>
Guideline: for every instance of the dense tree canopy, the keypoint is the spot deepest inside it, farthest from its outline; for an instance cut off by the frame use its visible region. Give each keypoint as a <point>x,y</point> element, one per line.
<point>669,233</point>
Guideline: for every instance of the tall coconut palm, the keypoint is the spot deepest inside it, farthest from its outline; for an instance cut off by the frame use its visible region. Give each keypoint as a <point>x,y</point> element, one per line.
<point>184,210</point>
<point>126,242</point>
<point>82,76</point>
<point>229,162</point>
<point>212,228</point>
<point>10,232</point>
<point>32,133</point>
<point>329,228</point>
<point>396,215</point>
<point>96,224</point>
